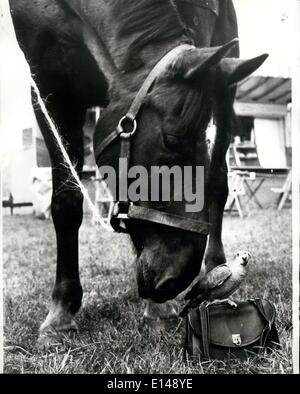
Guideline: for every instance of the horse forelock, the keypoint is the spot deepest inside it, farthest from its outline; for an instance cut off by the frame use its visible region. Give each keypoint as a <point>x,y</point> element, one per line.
<point>191,102</point>
<point>146,22</point>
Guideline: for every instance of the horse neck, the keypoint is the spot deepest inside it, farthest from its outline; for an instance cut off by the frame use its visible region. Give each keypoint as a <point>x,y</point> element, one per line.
<point>111,51</point>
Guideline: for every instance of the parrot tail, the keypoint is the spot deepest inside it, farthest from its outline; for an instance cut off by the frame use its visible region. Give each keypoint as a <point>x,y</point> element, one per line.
<point>200,289</point>
<point>195,296</point>
<point>184,311</point>
<point>194,303</point>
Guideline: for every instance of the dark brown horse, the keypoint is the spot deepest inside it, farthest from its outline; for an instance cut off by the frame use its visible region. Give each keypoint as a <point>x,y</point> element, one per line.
<point>98,53</point>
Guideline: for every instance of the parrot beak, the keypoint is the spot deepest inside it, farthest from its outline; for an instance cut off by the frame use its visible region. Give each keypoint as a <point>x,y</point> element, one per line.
<point>245,256</point>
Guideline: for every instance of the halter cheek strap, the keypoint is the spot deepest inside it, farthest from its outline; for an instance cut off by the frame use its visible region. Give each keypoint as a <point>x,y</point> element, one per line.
<point>128,210</point>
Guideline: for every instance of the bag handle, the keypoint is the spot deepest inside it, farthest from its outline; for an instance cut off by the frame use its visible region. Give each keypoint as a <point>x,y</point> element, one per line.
<point>204,318</point>
<point>259,304</point>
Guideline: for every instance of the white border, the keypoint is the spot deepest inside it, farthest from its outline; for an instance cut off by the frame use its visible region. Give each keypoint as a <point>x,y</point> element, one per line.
<point>1,280</point>
<point>296,186</point>
<point>296,206</point>
<point>296,219</point>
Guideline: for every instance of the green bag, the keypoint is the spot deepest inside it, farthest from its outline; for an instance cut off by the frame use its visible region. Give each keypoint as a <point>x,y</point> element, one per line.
<point>219,331</point>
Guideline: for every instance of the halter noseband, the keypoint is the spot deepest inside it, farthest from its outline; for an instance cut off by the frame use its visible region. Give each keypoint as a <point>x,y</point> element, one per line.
<point>128,210</point>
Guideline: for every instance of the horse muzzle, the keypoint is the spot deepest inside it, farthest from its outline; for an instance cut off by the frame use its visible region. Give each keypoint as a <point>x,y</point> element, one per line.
<point>164,285</point>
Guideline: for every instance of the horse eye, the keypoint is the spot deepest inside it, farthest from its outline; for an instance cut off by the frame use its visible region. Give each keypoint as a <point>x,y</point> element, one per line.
<point>177,110</point>
<point>172,142</point>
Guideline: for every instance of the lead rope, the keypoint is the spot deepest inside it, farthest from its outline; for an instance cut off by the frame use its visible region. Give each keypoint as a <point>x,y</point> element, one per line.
<point>103,222</point>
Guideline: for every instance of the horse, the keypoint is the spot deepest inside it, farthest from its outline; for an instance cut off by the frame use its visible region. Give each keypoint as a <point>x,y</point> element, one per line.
<point>99,53</point>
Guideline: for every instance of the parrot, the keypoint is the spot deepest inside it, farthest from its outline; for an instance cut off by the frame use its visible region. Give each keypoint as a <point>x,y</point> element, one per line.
<point>219,283</point>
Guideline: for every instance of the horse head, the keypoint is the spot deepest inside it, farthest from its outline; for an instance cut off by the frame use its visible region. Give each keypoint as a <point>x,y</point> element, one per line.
<point>171,131</point>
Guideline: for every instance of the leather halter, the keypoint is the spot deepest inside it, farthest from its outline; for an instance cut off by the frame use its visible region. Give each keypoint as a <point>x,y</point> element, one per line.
<point>128,210</point>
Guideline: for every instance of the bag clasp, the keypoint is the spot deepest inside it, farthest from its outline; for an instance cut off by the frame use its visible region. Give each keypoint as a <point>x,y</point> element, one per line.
<point>237,339</point>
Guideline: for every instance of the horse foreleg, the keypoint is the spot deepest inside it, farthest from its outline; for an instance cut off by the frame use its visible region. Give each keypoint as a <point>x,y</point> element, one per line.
<point>67,216</point>
<point>67,293</point>
<point>215,254</point>
<point>218,183</point>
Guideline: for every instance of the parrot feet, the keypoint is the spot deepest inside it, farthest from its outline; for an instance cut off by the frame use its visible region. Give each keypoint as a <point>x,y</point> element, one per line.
<point>228,301</point>
<point>232,303</point>
<point>225,301</point>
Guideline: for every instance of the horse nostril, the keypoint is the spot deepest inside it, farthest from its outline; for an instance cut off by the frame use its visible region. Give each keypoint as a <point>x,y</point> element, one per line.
<point>165,284</point>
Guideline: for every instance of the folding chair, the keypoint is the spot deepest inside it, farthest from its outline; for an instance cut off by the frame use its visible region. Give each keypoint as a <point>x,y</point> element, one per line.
<point>233,157</point>
<point>284,191</point>
<point>103,198</point>
<point>252,190</point>
<point>8,202</point>
<point>236,190</point>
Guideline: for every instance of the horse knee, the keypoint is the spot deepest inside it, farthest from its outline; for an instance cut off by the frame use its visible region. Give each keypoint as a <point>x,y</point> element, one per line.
<point>67,209</point>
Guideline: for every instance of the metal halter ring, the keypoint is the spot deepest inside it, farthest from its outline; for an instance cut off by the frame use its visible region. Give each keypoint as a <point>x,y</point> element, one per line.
<point>129,119</point>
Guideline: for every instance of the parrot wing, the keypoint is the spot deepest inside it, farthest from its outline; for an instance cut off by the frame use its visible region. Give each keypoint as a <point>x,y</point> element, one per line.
<point>200,291</point>
<point>217,276</point>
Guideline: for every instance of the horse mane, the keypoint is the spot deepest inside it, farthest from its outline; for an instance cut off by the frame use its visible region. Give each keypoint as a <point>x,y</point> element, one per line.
<point>148,21</point>
<point>153,22</point>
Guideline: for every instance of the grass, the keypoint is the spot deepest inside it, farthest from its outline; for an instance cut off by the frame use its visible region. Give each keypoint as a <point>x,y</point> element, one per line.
<point>112,337</point>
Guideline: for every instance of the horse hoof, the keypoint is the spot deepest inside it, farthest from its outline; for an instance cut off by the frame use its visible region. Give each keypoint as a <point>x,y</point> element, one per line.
<point>159,324</point>
<point>47,340</point>
<point>51,336</point>
<point>160,316</point>
<point>68,326</point>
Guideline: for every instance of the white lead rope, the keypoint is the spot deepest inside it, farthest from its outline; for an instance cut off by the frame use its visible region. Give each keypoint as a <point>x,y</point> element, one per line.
<point>103,222</point>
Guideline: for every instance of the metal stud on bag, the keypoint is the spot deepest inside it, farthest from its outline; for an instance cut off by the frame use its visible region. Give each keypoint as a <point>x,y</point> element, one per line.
<point>236,339</point>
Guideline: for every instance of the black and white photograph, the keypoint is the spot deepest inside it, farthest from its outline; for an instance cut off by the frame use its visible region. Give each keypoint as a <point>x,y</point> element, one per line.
<point>149,177</point>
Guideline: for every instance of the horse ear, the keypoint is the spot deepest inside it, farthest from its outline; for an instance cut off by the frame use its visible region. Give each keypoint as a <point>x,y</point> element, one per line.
<point>236,70</point>
<point>209,57</point>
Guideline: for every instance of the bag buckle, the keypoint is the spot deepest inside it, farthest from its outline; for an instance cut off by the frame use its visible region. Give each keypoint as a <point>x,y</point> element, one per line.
<point>237,339</point>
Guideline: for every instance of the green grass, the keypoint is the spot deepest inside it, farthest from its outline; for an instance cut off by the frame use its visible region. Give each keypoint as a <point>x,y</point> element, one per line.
<point>112,338</point>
